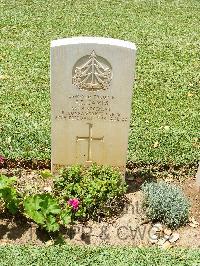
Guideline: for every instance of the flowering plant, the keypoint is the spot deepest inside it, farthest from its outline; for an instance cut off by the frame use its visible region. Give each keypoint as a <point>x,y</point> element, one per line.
<point>1,159</point>
<point>89,192</point>
<point>74,203</point>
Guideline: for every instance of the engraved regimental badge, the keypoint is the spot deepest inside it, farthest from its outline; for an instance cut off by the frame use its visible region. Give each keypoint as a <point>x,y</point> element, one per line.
<point>92,73</point>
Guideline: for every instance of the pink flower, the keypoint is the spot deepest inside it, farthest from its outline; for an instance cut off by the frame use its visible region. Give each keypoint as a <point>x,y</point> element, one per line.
<point>1,159</point>
<point>74,203</point>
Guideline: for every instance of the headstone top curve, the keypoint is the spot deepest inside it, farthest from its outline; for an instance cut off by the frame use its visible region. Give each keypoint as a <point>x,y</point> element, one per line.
<point>95,40</point>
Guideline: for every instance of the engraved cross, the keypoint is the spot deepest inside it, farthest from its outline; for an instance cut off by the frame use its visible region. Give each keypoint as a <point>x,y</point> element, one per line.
<point>90,138</point>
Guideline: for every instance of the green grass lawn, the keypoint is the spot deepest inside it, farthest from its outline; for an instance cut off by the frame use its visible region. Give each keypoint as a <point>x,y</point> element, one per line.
<point>69,255</point>
<point>166,102</point>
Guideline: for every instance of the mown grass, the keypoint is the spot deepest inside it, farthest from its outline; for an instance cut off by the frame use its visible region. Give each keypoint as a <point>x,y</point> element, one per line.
<point>165,113</point>
<point>69,255</point>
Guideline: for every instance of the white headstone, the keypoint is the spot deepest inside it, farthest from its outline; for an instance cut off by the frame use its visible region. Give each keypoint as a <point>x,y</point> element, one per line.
<point>91,92</point>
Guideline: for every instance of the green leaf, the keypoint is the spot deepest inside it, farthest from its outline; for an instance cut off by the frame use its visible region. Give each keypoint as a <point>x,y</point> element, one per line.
<point>45,174</point>
<point>6,182</point>
<point>41,208</point>
<point>51,224</point>
<point>32,203</point>
<point>12,206</point>
<point>38,217</point>
<point>9,194</point>
<point>32,208</point>
<point>50,205</point>
<point>65,217</point>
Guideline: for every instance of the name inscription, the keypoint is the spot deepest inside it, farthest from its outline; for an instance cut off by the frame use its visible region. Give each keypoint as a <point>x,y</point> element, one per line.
<point>89,107</point>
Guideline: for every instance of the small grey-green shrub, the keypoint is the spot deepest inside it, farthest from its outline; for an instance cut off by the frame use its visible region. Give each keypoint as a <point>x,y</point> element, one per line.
<point>165,203</point>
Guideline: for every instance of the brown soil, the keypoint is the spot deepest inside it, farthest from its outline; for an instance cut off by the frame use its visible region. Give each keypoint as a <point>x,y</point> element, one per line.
<point>130,228</point>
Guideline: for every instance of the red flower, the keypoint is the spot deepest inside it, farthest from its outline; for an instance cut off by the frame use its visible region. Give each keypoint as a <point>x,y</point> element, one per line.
<point>74,203</point>
<point>1,159</point>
